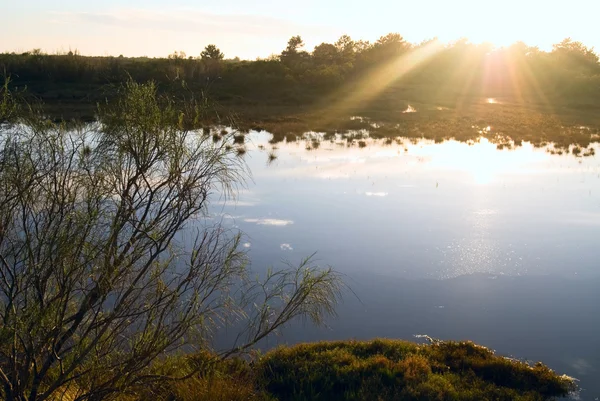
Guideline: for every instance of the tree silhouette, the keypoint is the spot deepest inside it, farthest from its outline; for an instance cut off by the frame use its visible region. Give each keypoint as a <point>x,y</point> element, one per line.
<point>212,52</point>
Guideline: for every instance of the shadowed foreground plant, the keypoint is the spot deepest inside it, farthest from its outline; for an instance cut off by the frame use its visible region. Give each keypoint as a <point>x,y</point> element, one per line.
<point>98,274</point>
<point>8,105</point>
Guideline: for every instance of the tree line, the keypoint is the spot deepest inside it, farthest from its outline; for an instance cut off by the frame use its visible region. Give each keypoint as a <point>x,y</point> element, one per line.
<point>569,73</point>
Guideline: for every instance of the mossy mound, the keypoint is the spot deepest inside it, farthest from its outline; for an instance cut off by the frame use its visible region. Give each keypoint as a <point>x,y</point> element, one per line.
<point>400,370</point>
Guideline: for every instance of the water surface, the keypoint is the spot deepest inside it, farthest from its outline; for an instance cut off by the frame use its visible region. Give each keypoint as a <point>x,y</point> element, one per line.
<point>454,240</point>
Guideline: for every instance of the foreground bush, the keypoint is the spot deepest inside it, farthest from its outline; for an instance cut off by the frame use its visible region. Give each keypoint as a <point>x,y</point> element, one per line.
<point>109,260</point>
<point>373,370</point>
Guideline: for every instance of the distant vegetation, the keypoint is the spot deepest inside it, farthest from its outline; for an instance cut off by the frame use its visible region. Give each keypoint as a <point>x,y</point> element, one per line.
<point>567,75</point>
<point>536,96</point>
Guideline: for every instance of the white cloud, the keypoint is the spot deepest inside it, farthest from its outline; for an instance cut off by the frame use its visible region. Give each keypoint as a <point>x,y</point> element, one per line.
<point>158,32</point>
<point>286,247</point>
<point>247,245</point>
<point>181,19</point>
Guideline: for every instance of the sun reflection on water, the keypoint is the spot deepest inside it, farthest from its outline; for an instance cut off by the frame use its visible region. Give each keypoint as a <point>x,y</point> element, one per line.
<point>483,161</point>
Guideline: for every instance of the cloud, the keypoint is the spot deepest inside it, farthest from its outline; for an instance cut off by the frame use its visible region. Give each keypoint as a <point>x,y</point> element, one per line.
<point>247,245</point>
<point>186,20</point>
<point>269,222</point>
<point>157,32</point>
<point>286,247</point>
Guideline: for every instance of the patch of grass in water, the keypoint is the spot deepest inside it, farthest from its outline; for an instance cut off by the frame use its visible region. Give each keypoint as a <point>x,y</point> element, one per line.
<point>239,139</point>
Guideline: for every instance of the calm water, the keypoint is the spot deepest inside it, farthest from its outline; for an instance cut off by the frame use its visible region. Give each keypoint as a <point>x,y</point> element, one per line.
<point>452,240</point>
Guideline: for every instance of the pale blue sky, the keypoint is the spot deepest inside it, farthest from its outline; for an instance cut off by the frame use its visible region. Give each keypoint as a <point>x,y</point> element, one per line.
<point>258,28</point>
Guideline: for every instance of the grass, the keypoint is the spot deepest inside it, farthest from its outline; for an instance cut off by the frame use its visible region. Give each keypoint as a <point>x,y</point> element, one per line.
<point>511,121</point>
<point>371,370</point>
<point>508,124</point>
<point>239,139</point>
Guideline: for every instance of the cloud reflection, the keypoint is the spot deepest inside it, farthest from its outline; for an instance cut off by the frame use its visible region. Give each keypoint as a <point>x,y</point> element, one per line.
<point>269,222</point>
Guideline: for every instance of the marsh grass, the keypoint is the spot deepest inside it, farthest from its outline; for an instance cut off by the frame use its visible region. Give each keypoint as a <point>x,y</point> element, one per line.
<point>507,125</point>
<point>239,139</point>
<point>380,369</point>
<point>398,370</point>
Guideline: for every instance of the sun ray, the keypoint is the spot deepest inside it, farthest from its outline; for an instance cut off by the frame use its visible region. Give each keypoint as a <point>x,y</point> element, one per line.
<point>466,64</point>
<point>532,79</point>
<point>377,81</point>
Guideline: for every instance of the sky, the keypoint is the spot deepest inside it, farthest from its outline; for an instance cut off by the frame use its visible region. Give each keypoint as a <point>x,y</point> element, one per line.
<point>259,28</point>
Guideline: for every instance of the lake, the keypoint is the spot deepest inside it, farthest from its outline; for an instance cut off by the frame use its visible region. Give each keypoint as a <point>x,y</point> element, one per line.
<point>453,240</point>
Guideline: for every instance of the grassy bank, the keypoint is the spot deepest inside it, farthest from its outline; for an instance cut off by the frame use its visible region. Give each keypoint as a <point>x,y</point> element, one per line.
<point>506,122</point>
<point>370,370</point>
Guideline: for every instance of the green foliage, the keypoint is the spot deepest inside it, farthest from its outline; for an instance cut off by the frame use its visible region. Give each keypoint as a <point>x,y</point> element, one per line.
<point>368,370</point>
<point>456,75</point>
<point>211,52</point>
<point>104,289</point>
<point>8,104</point>
<point>398,370</point>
